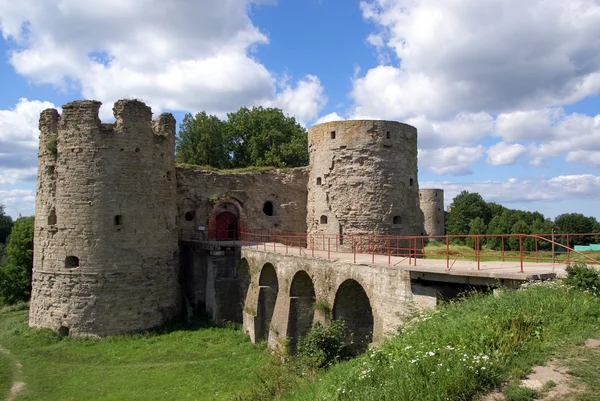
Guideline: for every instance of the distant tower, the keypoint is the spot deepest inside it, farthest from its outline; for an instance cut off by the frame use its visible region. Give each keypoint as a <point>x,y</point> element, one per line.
<point>363,178</point>
<point>106,244</point>
<point>432,205</point>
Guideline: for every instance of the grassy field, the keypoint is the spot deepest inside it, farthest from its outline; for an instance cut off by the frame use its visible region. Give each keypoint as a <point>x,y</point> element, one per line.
<point>463,349</point>
<point>204,363</point>
<point>6,375</point>
<point>437,250</point>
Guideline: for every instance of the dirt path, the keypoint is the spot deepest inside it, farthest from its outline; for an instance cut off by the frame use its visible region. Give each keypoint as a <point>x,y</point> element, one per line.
<point>554,380</point>
<point>17,385</point>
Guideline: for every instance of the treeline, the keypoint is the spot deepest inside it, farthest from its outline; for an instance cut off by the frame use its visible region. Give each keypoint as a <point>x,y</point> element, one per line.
<point>471,214</point>
<point>16,258</point>
<point>249,137</point>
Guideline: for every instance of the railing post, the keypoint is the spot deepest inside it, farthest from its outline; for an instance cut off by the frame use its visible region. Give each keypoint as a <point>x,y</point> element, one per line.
<point>353,249</point>
<point>537,256</point>
<point>521,251</point>
<point>312,246</point>
<point>388,250</point>
<point>416,250</point>
<point>328,248</point>
<point>477,239</point>
<point>568,250</point>
<point>373,251</point>
<point>447,254</point>
<point>502,247</point>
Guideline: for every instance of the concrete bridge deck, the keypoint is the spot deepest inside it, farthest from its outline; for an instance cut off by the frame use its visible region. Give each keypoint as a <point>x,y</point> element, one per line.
<point>461,271</point>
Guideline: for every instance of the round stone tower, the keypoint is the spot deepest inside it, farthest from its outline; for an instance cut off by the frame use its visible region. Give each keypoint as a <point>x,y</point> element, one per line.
<point>363,179</point>
<point>432,205</point>
<point>106,243</point>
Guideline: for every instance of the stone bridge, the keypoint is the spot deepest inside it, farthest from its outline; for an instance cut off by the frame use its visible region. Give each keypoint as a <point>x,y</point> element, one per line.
<point>285,294</point>
<point>278,292</point>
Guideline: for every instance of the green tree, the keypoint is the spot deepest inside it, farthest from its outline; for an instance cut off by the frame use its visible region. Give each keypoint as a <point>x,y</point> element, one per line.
<point>6,224</point>
<point>476,226</point>
<point>15,277</point>
<point>266,137</point>
<point>527,244</point>
<point>466,206</point>
<point>576,223</point>
<point>201,141</point>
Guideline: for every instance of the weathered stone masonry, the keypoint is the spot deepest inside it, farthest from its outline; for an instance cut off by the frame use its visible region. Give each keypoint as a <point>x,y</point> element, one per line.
<point>105,233</point>
<point>363,179</point>
<point>113,214</point>
<point>432,205</point>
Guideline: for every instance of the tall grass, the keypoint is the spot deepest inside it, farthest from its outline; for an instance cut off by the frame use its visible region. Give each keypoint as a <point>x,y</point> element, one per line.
<point>462,349</point>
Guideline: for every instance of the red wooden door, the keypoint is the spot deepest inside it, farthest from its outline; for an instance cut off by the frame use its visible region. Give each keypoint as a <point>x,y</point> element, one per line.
<point>227,227</point>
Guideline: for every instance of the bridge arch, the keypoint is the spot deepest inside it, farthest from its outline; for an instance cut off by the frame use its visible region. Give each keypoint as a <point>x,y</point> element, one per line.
<point>268,288</point>
<point>301,313</point>
<point>353,306</point>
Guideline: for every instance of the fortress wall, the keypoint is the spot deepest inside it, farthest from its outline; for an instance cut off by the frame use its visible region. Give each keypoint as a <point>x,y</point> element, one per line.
<point>197,191</point>
<point>105,242</point>
<point>363,178</point>
<point>432,205</point>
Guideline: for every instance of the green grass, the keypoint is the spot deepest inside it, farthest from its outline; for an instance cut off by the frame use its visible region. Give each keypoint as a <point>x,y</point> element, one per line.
<point>437,250</point>
<point>463,349</point>
<point>584,366</point>
<point>7,372</point>
<point>206,363</point>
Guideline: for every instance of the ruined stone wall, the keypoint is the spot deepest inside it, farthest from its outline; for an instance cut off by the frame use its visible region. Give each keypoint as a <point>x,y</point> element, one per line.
<point>363,178</point>
<point>106,248</point>
<point>432,205</point>
<point>198,192</point>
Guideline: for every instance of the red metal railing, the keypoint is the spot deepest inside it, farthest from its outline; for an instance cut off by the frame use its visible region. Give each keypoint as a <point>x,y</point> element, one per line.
<point>522,248</point>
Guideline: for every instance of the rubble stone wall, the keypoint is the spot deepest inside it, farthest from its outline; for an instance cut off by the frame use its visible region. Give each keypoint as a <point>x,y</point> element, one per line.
<point>106,240</point>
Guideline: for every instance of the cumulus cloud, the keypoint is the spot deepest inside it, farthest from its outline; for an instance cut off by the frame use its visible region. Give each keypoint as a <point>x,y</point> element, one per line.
<point>328,118</point>
<point>461,72</point>
<point>19,141</point>
<point>178,55</point>
<point>18,202</point>
<point>463,129</point>
<point>454,160</point>
<point>304,101</point>
<point>503,153</point>
<point>463,57</point>
<point>583,186</point>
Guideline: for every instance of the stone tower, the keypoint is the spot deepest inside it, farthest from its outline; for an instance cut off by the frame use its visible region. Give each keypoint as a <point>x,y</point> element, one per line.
<point>432,205</point>
<point>106,243</point>
<point>363,179</point>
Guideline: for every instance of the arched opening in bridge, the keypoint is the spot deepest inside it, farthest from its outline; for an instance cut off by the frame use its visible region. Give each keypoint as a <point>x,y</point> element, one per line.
<point>352,305</point>
<point>268,288</point>
<point>300,318</point>
<point>227,227</point>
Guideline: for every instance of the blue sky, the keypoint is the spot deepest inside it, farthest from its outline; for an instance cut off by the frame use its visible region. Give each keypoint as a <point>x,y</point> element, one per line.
<point>504,93</point>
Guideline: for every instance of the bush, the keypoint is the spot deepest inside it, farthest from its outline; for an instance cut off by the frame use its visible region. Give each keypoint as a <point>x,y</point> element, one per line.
<point>325,345</point>
<point>583,277</point>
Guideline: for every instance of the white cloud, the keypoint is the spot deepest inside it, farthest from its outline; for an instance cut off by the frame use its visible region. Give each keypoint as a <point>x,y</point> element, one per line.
<point>527,125</point>
<point>462,57</point>
<point>556,189</point>
<point>305,101</point>
<point>503,153</point>
<point>178,55</point>
<point>463,129</point>
<point>455,160</point>
<point>18,202</point>
<point>19,141</point>
<point>329,117</point>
